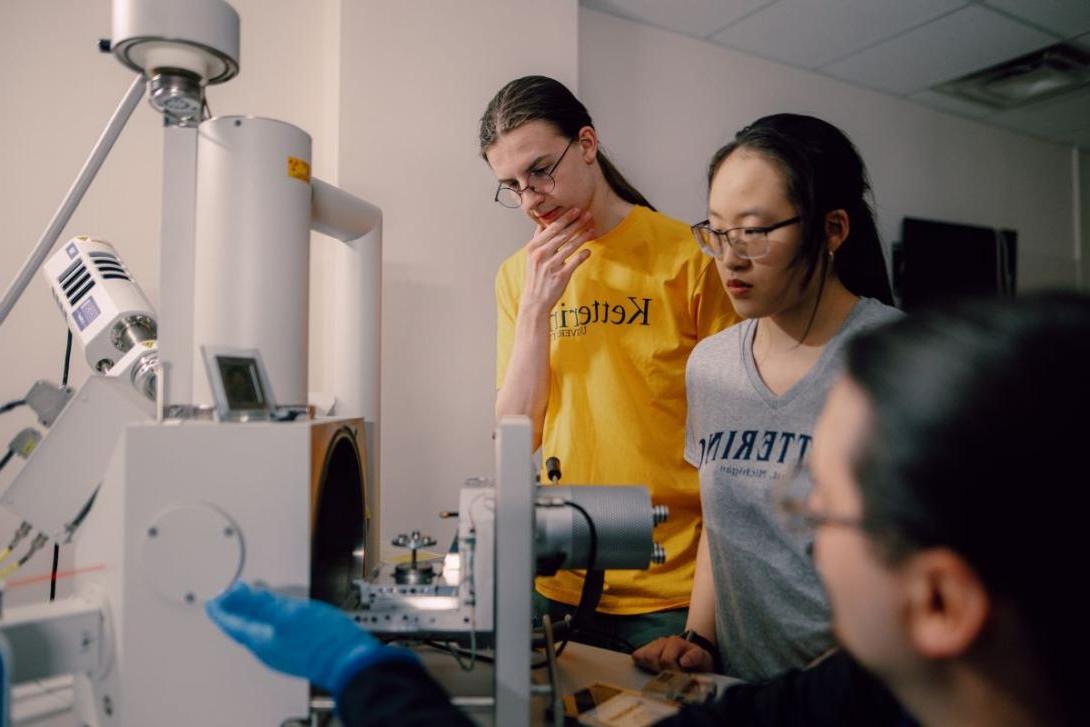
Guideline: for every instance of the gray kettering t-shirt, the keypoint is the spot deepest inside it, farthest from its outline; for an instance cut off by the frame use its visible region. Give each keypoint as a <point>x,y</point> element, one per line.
<point>771,613</point>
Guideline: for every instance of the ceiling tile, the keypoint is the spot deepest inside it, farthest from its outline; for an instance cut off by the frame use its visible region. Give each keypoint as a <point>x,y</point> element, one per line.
<point>692,17</point>
<point>1055,118</point>
<point>956,44</point>
<point>1063,17</point>
<point>811,33</point>
<point>942,102</point>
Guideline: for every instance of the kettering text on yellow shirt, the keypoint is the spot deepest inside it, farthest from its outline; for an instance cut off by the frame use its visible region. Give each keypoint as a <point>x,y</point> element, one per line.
<point>620,336</point>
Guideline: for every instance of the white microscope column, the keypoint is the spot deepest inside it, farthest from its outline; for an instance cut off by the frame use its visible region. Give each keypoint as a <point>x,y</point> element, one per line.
<point>252,248</point>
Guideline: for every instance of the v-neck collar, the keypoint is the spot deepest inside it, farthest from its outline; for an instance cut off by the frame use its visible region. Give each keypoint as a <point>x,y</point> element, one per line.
<point>770,398</point>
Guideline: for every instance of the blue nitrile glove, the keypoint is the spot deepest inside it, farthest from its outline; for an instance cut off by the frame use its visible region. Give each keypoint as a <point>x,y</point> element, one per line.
<point>308,639</point>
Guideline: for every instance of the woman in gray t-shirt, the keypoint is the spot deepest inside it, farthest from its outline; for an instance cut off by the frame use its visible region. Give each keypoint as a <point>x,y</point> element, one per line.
<point>797,248</point>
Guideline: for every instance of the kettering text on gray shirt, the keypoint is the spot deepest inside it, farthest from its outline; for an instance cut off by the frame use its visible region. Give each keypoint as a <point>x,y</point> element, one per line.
<point>771,613</point>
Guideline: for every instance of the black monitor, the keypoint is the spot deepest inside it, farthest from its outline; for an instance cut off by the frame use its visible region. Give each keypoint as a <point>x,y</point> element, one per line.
<point>937,262</point>
<point>239,383</point>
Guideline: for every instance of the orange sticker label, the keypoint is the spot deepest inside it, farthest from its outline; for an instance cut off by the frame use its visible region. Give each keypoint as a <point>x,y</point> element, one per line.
<point>299,169</point>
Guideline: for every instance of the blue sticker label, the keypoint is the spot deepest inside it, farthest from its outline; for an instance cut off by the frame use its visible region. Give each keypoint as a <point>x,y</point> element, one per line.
<point>71,250</point>
<point>86,313</point>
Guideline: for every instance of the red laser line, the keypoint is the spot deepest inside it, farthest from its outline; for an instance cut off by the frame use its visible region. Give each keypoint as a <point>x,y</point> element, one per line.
<point>31,580</point>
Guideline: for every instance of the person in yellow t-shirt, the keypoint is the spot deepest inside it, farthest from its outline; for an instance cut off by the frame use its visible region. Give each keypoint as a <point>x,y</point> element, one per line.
<point>597,315</point>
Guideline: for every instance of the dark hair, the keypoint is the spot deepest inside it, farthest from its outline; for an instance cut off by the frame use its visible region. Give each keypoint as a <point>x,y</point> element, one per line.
<point>823,172</point>
<point>975,444</point>
<point>540,98</point>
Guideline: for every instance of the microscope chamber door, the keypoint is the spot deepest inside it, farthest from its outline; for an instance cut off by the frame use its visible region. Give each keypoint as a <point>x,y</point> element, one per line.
<point>344,522</point>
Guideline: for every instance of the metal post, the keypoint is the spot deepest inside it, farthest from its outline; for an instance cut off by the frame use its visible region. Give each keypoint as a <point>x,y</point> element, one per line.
<point>176,245</point>
<point>514,573</point>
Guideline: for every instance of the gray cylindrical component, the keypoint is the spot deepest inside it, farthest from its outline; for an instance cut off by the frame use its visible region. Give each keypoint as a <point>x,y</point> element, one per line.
<point>178,94</point>
<point>622,517</point>
<point>132,330</point>
<point>144,373</point>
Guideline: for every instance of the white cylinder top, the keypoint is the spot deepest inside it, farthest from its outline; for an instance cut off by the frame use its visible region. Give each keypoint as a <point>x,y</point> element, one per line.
<point>144,30</point>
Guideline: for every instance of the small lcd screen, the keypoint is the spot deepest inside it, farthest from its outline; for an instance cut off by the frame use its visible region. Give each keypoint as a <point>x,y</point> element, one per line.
<point>241,384</point>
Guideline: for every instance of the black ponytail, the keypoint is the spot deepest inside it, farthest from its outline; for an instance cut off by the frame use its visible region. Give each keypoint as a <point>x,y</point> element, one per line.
<point>823,172</point>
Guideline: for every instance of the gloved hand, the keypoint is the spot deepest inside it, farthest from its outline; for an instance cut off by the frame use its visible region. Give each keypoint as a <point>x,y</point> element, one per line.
<point>308,639</point>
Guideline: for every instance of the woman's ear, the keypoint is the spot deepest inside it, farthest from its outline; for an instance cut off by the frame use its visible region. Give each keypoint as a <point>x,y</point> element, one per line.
<point>837,227</point>
<point>588,144</point>
<point>948,604</point>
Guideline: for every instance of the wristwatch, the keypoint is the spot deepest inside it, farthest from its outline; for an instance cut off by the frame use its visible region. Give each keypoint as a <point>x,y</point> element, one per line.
<point>695,638</point>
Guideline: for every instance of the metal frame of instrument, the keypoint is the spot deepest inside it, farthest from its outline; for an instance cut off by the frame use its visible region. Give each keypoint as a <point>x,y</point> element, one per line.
<point>239,180</point>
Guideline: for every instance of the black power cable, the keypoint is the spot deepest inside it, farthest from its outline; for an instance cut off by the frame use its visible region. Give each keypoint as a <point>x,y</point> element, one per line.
<point>4,409</point>
<point>592,590</point>
<point>56,546</point>
<point>593,582</point>
<point>67,359</point>
<point>458,651</point>
<point>53,575</point>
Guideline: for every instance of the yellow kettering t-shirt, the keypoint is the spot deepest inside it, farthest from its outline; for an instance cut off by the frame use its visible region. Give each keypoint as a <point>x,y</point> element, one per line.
<point>621,334</point>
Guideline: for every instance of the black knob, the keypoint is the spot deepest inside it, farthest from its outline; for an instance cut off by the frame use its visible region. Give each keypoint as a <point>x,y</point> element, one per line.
<point>103,45</point>
<point>552,469</point>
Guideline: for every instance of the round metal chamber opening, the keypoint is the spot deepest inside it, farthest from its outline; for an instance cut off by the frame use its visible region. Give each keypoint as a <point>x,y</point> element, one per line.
<point>338,537</point>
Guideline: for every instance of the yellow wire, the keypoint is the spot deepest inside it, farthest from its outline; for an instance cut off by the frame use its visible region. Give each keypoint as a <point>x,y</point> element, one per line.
<point>4,554</point>
<point>8,569</point>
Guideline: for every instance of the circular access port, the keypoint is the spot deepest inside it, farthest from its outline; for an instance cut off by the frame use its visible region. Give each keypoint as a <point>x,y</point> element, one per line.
<point>191,553</point>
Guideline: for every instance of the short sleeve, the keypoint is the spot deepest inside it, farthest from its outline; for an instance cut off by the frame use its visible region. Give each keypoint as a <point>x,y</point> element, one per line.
<point>710,305</point>
<point>692,450</point>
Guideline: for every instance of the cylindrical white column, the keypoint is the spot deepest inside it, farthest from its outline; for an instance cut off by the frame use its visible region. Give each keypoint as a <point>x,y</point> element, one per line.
<point>176,292</point>
<point>252,248</point>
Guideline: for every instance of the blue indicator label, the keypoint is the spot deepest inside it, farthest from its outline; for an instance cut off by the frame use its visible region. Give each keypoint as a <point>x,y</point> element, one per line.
<point>86,313</point>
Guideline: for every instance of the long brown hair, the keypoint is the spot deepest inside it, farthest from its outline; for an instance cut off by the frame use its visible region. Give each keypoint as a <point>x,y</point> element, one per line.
<point>540,98</point>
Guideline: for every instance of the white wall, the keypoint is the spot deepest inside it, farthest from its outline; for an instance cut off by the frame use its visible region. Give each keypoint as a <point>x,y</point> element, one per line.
<point>58,93</point>
<point>664,103</point>
<point>416,78</point>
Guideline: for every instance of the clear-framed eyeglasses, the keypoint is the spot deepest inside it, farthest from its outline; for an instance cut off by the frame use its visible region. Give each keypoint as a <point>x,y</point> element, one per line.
<point>539,180</point>
<point>748,243</point>
<point>792,501</point>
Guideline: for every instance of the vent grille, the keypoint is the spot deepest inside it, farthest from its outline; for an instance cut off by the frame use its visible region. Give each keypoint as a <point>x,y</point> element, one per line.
<point>76,281</point>
<point>1052,71</point>
<point>109,266</point>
